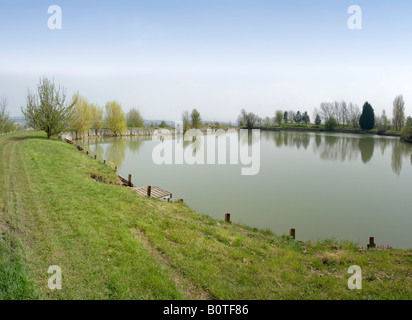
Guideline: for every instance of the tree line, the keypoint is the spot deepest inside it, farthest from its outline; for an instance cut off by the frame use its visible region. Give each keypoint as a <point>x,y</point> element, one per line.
<point>50,110</point>
<point>335,114</point>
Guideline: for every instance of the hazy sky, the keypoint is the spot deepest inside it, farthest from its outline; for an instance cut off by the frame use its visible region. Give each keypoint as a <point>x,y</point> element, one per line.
<point>167,56</point>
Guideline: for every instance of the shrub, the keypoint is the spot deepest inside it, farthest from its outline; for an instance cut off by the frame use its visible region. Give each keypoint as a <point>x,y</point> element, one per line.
<point>134,119</point>
<point>409,121</point>
<point>381,129</point>
<point>331,124</point>
<point>406,133</point>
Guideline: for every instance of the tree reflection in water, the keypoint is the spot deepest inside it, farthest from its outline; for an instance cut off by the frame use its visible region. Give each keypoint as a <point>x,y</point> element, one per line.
<point>327,146</point>
<point>366,146</point>
<point>116,150</point>
<point>331,146</point>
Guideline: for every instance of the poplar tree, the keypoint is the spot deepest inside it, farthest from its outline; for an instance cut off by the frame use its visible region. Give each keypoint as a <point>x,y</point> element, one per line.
<point>96,119</point>
<point>82,116</point>
<point>398,112</point>
<point>115,119</point>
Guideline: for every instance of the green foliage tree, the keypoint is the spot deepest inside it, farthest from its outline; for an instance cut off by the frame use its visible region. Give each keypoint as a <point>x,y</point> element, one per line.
<point>195,119</point>
<point>163,124</point>
<point>367,118</point>
<point>297,117</point>
<point>96,118</point>
<point>409,121</point>
<point>279,117</point>
<point>318,120</point>
<point>331,124</point>
<point>248,120</point>
<point>186,121</point>
<point>406,133</point>
<point>134,119</point>
<point>82,116</point>
<point>48,111</point>
<point>285,117</point>
<point>9,126</point>
<point>115,118</point>
<point>305,118</point>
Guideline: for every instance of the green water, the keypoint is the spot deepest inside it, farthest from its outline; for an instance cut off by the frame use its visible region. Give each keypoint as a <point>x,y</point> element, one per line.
<point>324,185</point>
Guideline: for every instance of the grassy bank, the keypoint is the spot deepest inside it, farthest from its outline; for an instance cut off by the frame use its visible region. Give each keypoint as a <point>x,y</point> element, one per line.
<point>113,244</point>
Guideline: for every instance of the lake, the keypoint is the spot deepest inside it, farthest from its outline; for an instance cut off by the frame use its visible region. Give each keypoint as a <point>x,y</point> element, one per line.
<point>325,185</point>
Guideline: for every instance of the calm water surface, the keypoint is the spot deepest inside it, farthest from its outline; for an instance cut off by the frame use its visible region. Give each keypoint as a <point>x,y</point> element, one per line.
<point>325,185</point>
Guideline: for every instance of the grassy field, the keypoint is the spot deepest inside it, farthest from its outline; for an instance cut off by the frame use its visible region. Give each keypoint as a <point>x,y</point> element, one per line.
<point>113,244</point>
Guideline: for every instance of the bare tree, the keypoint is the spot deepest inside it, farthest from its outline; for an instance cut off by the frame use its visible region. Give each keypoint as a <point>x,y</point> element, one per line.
<point>336,111</point>
<point>354,115</point>
<point>326,111</point>
<point>398,112</point>
<point>315,113</point>
<point>344,113</point>
<point>267,121</point>
<point>291,116</point>
<point>4,115</point>
<point>259,121</point>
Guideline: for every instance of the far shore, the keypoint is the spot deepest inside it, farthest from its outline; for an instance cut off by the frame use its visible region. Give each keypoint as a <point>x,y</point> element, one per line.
<point>71,135</point>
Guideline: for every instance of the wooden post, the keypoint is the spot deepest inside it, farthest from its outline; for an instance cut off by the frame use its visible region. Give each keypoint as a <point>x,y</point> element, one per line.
<point>95,156</point>
<point>87,152</point>
<point>115,169</point>
<point>104,161</point>
<point>292,233</point>
<point>129,180</point>
<point>149,191</point>
<point>372,243</point>
<point>227,217</point>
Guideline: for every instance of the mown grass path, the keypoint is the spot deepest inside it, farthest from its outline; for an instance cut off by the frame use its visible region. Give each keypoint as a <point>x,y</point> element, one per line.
<point>113,244</point>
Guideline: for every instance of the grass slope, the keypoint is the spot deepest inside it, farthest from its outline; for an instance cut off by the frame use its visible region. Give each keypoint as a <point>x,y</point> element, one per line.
<point>113,244</point>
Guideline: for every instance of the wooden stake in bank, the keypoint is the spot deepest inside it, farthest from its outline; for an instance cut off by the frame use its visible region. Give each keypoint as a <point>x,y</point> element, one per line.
<point>227,217</point>
<point>149,191</point>
<point>129,180</point>
<point>95,156</point>
<point>292,233</point>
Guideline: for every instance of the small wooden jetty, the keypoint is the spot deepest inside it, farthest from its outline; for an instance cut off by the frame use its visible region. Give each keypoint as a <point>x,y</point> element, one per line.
<point>126,182</point>
<point>153,191</point>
